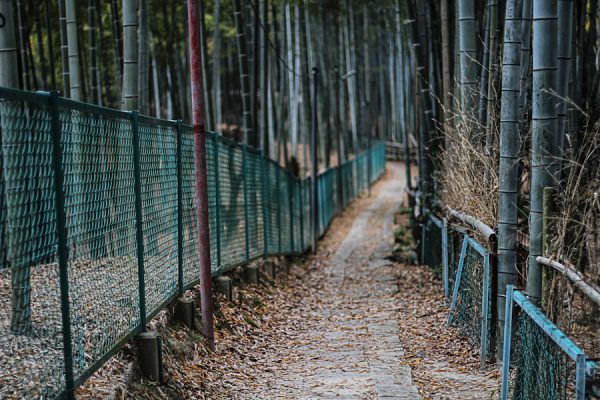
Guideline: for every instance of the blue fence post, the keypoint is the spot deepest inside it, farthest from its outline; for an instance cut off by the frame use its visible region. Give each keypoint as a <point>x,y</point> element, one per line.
<point>139,219</point>
<point>507,339</point>
<point>63,252</point>
<point>264,184</point>
<point>580,376</point>
<point>461,263</point>
<point>216,163</point>
<point>245,190</point>
<point>445,257</point>
<point>485,306</point>
<point>179,209</point>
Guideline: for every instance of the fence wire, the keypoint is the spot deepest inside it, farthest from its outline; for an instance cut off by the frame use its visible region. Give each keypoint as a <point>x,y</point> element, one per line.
<point>79,277</point>
<point>541,361</point>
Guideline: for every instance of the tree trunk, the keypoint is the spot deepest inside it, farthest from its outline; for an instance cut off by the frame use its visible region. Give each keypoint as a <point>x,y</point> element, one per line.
<point>143,79</point>
<point>216,66</point>
<point>544,127</point>
<point>244,78</point>
<point>468,55</point>
<point>509,161</point>
<point>94,95</point>
<point>73,50</point>
<point>130,96</point>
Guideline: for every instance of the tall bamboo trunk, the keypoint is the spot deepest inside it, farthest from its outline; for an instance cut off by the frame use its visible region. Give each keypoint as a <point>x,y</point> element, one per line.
<point>509,160</point>
<point>20,320</point>
<point>350,65</point>
<point>210,121</point>
<point>244,78</point>
<point>264,84</point>
<point>144,59</point>
<point>492,83</point>
<point>23,40</point>
<point>41,51</point>
<point>544,128</point>
<point>73,50</point>
<point>468,55</point>
<point>130,96</point>
<point>94,95</point>
<point>216,65</point>
<point>565,31</point>
<point>446,79</point>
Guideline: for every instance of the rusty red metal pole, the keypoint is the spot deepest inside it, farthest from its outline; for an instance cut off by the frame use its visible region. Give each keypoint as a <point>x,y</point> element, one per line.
<point>199,122</point>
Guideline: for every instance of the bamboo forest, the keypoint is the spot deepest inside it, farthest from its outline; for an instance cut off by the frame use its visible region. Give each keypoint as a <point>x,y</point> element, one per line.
<point>300,199</point>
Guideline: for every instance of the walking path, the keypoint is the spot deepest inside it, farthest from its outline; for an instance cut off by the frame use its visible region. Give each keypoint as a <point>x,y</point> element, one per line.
<point>350,347</point>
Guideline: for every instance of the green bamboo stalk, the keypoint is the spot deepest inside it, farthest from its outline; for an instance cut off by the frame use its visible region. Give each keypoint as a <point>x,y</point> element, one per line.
<point>493,76</point>
<point>94,95</point>
<point>468,54</point>
<point>446,80</point>
<point>64,48</point>
<point>544,128</point>
<point>130,95</point>
<point>9,66</point>
<point>73,50</point>
<point>565,31</point>
<point>20,319</point>
<point>216,65</point>
<point>144,59</point>
<point>509,161</point>
<point>244,78</point>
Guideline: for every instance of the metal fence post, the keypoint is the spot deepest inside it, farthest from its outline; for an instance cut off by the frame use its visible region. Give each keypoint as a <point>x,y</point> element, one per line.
<point>63,253</point>
<point>461,263</point>
<point>138,218</point>
<point>291,180</point>
<point>217,198</point>
<point>264,184</point>
<point>580,376</point>
<point>485,306</point>
<point>315,166</point>
<point>245,188</point>
<point>179,209</point>
<point>507,339</point>
<point>301,207</point>
<point>445,257</point>
<point>278,183</point>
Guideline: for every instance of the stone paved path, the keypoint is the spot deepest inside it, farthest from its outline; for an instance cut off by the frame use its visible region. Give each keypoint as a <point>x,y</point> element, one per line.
<point>356,351</point>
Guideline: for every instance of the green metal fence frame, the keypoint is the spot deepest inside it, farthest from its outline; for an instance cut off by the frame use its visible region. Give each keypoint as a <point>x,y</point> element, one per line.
<point>584,366</point>
<point>355,179</point>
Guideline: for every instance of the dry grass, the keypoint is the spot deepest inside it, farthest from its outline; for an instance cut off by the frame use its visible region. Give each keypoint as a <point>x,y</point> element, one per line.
<point>469,172</point>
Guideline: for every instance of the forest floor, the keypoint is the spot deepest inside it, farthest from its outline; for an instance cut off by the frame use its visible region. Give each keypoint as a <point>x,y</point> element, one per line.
<point>345,323</point>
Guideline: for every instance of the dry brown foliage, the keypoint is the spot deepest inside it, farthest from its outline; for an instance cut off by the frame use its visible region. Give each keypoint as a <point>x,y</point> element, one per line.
<point>469,171</point>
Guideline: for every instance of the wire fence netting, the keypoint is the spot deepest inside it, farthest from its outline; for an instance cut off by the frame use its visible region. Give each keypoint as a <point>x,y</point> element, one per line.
<point>123,243</point>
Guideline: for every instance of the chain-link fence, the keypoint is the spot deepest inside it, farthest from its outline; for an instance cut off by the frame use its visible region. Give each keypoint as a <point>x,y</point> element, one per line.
<point>465,269</point>
<point>472,300</point>
<point>540,361</point>
<point>98,228</point>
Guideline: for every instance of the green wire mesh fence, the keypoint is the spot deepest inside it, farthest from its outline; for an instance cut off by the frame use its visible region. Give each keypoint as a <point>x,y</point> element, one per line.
<point>472,300</point>
<point>465,268</point>
<point>98,228</point>
<point>540,361</point>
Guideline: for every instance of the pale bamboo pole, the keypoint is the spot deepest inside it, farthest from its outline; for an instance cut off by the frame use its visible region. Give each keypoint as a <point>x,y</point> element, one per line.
<point>9,65</point>
<point>244,77</point>
<point>216,65</point>
<point>544,128</point>
<point>144,59</point>
<point>293,108</point>
<point>20,319</point>
<point>565,32</point>
<point>468,55</point>
<point>94,95</point>
<point>264,65</point>
<point>73,50</point>
<point>446,80</point>
<point>208,105</point>
<point>130,96</point>
<point>509,161</point>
